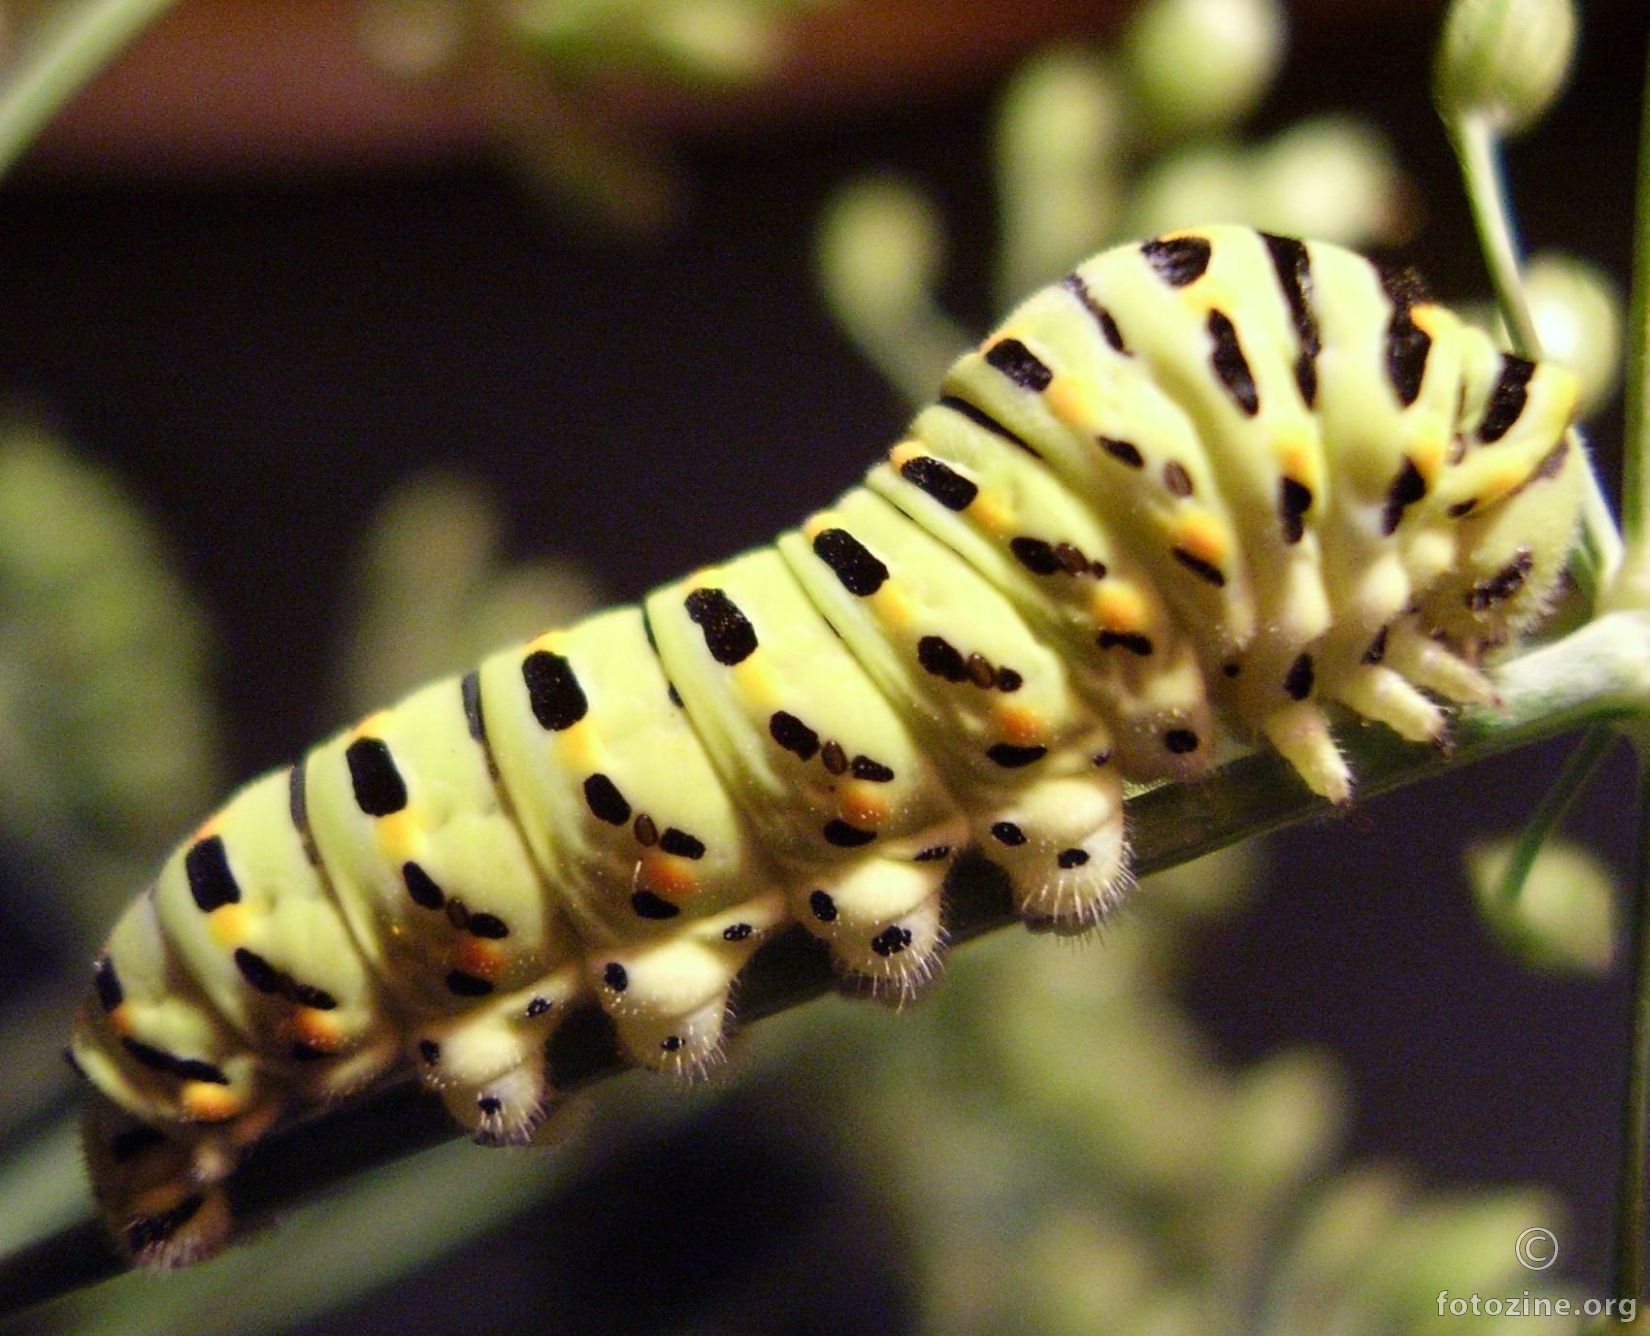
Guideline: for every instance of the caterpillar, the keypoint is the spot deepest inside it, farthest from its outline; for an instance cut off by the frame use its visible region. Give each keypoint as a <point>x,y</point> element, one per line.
<point>1207,489</point>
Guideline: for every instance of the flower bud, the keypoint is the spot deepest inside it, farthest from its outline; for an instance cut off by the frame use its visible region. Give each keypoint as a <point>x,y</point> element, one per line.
<point>1564,917</point>
<point>880,249</point>
<point>1201,64</point>
<point>1332,177</point>
<point>1577,313</point>
<point>879,252</point>
<point>1058,154</point>
<point>1286,1122</point>
<point>1503,61</point>
<point>1205,183</point>
<point>716,41</point>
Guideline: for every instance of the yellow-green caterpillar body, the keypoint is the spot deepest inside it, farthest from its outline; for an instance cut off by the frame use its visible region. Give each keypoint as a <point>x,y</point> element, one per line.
<point>1216,485</point>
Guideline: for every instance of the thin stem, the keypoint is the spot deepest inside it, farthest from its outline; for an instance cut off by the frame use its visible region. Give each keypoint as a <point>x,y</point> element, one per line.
<point>1635,501</point>
<point>1476,146</point>
<point>1629,1251</point>
<point>1596,743</point>
<point>71,43</point>
<point>1630,1183</point>
<point>1601,541</point>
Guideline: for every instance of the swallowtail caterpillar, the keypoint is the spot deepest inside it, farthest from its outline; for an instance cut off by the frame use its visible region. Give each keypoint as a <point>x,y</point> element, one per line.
<point>1218,484</point>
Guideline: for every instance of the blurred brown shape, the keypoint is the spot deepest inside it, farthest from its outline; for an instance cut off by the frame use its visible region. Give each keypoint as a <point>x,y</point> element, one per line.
<point>289,84</point>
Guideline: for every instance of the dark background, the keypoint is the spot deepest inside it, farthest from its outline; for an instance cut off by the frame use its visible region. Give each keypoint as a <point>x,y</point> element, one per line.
<point>261,359</point>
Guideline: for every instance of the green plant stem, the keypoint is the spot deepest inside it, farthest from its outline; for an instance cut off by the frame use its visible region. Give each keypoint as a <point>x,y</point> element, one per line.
<point>1635,502</point>
<point>1629,1242</point>
<point>1477,148</point>
<point>1599,674</point>
<point>57,57</point>
<point>1635,1129</point>
<point>1596,743</point>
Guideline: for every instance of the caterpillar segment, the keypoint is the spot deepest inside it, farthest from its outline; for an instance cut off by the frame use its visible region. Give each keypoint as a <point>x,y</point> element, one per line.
<point>826,771</point>
<point>1216,487</point>
<point>987,698</point>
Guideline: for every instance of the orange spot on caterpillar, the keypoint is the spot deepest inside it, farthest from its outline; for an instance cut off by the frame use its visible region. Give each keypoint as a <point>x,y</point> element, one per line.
<point>667,875</point>
<point>1119,607</point>
<point>754,679</point>
<point>579,746</point>
<point>1299,461</point>
<point>1201,534</point>
<point>228,924</point>
<point>1430,318</point>
<point>478,956</point>
<point>860,805</point>
<point>397,833</point>
<point>892,606</point>
<point>1021,726</point>
<point>318,1029</point>
<point>1071,401</point>
<point>992,514</point>
<point>372,725</point>
<point>206,1102</point>
<point>1428,451</point>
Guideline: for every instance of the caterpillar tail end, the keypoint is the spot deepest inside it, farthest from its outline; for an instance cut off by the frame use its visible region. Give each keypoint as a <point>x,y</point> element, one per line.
<point>161,1198</point>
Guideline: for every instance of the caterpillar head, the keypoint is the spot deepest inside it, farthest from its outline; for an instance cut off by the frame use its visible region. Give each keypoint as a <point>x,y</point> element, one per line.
<point>1510,561</point>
